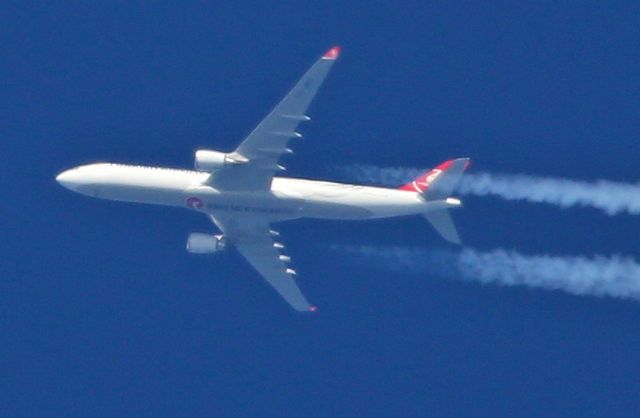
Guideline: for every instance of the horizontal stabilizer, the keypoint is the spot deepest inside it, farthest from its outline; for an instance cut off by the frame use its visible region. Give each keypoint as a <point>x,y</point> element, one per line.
<point>442,222</point>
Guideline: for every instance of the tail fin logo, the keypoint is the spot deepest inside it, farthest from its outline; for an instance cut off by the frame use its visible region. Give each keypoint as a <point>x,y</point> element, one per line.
<point>431,177</point>
<point>423,183</point>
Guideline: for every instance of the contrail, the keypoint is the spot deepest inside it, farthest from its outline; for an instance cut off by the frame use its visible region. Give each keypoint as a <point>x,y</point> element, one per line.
<point>611,197</point>
<point>615,276</point>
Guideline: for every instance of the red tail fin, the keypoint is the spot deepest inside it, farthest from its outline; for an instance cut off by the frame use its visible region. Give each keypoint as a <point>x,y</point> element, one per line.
<point>422,183</point>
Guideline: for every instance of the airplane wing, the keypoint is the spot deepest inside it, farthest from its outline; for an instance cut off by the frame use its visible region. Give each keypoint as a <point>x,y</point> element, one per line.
<point>253,238</point>
<point>268,141</point>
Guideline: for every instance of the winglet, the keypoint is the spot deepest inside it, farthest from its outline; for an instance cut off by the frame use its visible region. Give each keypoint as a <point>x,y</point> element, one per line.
<point>332,54</point>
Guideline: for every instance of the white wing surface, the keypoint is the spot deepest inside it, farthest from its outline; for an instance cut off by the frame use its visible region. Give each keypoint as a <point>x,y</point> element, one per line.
<point>253,238</point>
<point>269,140</point>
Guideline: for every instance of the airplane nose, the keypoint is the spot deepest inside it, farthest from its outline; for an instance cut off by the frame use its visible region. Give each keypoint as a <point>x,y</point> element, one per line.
<point>68,179</point>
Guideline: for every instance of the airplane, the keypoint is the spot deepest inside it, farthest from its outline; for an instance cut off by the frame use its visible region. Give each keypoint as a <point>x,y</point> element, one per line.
<point>240,193</point>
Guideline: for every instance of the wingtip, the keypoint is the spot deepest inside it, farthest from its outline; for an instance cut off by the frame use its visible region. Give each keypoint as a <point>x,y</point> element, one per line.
<point>332,54</point>
<point>313,308</point>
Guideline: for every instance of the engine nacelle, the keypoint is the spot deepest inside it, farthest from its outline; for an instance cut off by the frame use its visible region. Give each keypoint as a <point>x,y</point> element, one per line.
<point>206,160</point>
<point>205,244</point>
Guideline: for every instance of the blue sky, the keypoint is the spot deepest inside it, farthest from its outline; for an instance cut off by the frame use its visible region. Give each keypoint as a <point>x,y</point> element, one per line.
<point>103,313</point>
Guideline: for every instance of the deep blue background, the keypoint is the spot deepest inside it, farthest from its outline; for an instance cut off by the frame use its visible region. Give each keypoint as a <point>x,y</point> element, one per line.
<point>103,313</point>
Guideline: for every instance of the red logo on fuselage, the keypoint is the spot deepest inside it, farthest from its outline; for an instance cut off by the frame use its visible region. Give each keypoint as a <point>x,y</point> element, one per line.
<point>195,203</point>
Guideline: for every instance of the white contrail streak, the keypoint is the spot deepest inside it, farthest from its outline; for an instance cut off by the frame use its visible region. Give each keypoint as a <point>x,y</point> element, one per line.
<point>611,197</point>
<point>614,276</point>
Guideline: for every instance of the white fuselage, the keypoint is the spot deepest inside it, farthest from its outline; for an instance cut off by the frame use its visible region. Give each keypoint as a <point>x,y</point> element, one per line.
<point>289,198</point>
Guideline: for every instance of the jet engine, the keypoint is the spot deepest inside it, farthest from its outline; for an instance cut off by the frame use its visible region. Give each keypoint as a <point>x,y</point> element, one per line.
<point>205,244</point>
<point>206,160</point>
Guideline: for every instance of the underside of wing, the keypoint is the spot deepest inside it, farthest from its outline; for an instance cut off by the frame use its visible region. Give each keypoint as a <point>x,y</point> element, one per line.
<point>262,149</point>
<point>254,239</point>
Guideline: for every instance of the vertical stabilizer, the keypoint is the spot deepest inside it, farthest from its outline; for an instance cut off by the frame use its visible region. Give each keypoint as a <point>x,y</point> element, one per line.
<point>443,224</point>
<point>439,184</point>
